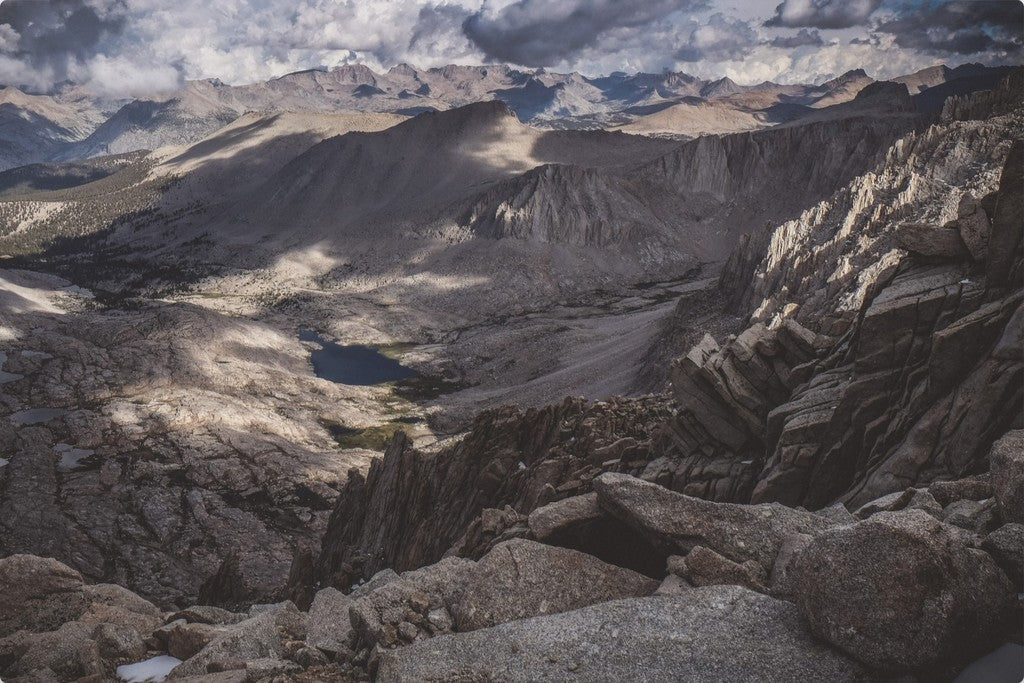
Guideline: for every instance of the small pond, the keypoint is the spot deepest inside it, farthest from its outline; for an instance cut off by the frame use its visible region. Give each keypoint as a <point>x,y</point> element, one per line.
<point>357,365</point>
<point>72,458</point>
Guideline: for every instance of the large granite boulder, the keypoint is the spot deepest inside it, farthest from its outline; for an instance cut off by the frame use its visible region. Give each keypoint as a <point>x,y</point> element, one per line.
<point>901,591</point>
<point>38,594</point>
<point>329,624</point>
<point>719,633</point>
<point>1006,462</point>
<point>680,523</point>
<point>520,579</point>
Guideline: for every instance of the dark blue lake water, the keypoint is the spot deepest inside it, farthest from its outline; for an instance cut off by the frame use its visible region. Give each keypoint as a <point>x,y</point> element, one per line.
<point>358,365</point>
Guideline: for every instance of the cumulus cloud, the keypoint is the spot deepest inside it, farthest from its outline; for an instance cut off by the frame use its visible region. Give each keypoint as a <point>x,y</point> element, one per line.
<point>962,27</point>
<point>827,14</point>
<point>720,39</point>
<point>545,32</point>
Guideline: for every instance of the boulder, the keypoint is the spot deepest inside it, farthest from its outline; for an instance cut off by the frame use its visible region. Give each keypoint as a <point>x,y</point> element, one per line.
<point>329,623</point>
<point>68,651</point>
<point>184,640</point>
<point>932,240</point>
<point>977,487</point>
<point>254,638</point>
<point>704,567</point>
<point>679,523</point>
<point>206,614</point>
<point>717,633</point>
<point>520,579</point>
<point>901,591</point>
<point>980,517</point>
<point>912,498</point>
<point>1006,545</point>
<point>973,224</point>
<point>1006,463</point>
<point>411,607</point>
<point>557,517</point>
<point>38,594</point>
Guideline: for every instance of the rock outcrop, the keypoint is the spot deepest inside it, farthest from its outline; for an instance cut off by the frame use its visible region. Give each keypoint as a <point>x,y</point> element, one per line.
<point>707,634</point>
<point>412,507</point>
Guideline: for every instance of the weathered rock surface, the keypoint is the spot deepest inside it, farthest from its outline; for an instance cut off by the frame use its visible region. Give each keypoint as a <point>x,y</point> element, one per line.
<point>412,506</point>
<point>330,627</point>
<point>901,591</point>
<point>1007,463</point>
<point>1006,546</point>
<point>707,634</point>
<point>411,607</point>
<point>256,638</point>
<point>704,567</point>
<point>680,523</point>
<point>519,579</point>
<point>931,240</point>
<point>38,594</point>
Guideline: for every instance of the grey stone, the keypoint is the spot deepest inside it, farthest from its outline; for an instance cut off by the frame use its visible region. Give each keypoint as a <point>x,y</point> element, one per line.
<point>378,580</point>
<point>520,579</point>
<point>38,594</point>
<point>704,567</point>
<point>1006,545</point>
<point>973,224</point>
<point>553,518</point>
<point>254,638</point>
<point>376,616</point>
<point>932,240</point>
<point>329,625</point>
<point>718,633</point>
<point>1006,462</point>
<point>184,640</point>
<point>679,523</point>
<point>207,614</point>
<point>901,591</point>
<point>978,487</point>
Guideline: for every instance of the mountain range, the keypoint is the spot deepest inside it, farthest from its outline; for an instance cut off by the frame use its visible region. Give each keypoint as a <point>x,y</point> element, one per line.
<point>69,124</point>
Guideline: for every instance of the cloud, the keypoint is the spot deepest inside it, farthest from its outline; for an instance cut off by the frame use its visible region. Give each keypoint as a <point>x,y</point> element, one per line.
<point>546,32</point>
<point>52,40</point>
<point>958,27</point>
<point>138,47</point>
<point>803,38</point>
<point>825,14</point>
<point>720,39</point>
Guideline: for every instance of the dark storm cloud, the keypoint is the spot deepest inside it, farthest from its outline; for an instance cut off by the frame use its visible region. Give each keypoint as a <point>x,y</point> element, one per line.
<point>803,38</point>
<point>827,14</point>
<point>545,32</point>
<point>56,34</point>
<point>961,27</point>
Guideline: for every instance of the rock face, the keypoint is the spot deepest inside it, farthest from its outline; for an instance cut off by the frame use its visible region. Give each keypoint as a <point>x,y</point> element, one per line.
<point>708,634</point>
<point>900,592</point>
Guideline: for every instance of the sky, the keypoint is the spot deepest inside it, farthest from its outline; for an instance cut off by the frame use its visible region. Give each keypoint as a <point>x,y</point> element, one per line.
<point>141,47</point>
